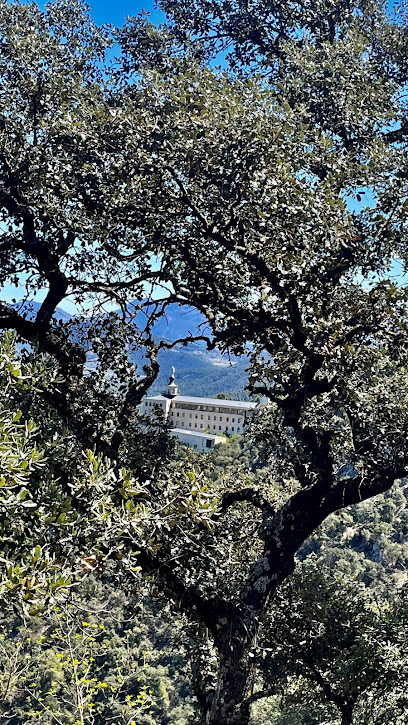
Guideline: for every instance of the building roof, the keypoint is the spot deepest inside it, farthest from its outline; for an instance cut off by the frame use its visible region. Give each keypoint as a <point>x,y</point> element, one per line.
<point>196,434</point>
<point>156,397</point>
<point>215,401</point>
<point>243,405</point>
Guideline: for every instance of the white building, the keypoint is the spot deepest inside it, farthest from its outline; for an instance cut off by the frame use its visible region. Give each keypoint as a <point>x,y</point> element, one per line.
<point>201,441</point>
<point>199,421</point>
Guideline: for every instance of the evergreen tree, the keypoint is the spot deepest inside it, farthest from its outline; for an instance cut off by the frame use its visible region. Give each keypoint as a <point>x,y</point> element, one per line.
<point>271,196</point>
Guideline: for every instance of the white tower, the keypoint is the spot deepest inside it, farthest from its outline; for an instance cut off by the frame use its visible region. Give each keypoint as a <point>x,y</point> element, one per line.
<point>172,387</point>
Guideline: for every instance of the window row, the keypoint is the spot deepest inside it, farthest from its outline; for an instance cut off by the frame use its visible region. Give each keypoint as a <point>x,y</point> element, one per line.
<point>183,425</point>
<point>220,418</point>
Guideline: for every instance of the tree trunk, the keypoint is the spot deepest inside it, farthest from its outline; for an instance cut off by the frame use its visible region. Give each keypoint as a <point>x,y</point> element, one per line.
<point>347,713</point>
<point>228,705</point>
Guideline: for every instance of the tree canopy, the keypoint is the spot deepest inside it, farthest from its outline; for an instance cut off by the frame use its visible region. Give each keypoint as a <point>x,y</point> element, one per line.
<point>270,194</point>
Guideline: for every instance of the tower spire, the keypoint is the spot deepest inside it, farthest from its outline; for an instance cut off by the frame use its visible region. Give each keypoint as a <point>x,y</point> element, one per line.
<point>172,387</point>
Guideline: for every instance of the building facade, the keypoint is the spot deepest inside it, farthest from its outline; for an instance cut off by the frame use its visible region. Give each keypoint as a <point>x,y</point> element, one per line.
<point>206,418</point>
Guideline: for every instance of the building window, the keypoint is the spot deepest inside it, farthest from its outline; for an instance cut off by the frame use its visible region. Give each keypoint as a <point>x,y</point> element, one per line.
<point>232,428</point>
<point>201,425</point>
<point>202,418</point>
<point>195,425</point>
<point>233,420</point>
<point>239,420</point>
<point>227,420</point>
<point>183,414</point>
<point>209,444</point>
<point>189,425</point>
<point>178,415</point>
<point>196,417</point>
<point>220,417</point>
<point>191,415</point>
<point>219,427</point>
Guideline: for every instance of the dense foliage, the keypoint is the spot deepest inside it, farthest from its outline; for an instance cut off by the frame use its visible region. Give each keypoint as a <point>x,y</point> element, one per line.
<point>103,657</point>
<point>332,646</point>
<point>270,196</point>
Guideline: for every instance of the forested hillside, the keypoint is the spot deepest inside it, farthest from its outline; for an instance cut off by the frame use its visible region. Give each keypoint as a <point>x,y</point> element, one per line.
<point>197,375</point>
<point>110,654</point>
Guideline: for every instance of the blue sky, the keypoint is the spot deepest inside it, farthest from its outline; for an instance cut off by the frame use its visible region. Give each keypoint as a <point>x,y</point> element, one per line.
<point>104,11</point>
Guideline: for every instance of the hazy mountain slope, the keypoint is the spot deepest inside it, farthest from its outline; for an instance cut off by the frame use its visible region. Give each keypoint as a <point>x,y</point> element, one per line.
<point>178,322</point>
<point>198,372</point>
<point>30,308</point>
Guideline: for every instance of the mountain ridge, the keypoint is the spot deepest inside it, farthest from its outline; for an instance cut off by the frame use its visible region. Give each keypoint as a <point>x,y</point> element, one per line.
<point>198,370</point>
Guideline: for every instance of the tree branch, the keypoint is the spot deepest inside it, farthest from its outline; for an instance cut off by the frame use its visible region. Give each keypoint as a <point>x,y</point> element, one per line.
<point>133,397</point>
<point>248,495</point>
<point>270,692</point>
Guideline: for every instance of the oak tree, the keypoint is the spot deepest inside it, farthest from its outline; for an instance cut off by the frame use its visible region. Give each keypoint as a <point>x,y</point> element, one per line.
<point>269,194</point>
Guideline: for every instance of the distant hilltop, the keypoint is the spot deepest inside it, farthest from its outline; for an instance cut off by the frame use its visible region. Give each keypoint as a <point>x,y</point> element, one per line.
<point>199,371</point>
<point>178,322</point>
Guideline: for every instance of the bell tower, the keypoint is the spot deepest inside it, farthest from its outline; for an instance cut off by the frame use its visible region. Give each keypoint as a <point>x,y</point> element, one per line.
<point>172,387</point>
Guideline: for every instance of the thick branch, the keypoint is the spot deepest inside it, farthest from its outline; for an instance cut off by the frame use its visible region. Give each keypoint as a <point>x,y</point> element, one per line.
<point>187,340</point>
<point>290,526</point>
<point>261,695</point>
<point>71,359</point>
<point>397,135</point>
<point>307,509</point>
<point>248,495</point>
<point>133,397</point>
<point>188,598</point>
<point>52,340</point>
